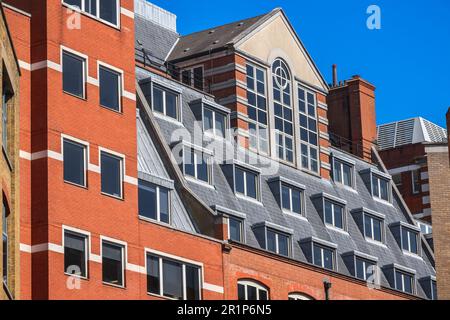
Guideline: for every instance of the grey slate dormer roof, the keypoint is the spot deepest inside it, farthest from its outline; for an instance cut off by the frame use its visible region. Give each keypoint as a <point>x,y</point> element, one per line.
<point>269,212</point>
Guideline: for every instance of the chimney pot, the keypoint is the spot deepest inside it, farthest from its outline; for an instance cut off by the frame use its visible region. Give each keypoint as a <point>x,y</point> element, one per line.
<point>335,76</point>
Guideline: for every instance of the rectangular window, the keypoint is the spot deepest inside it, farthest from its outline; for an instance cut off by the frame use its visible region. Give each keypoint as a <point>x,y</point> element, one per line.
<point>106,10</point>
<point>410,240</point>
<point>323,257</point>
<point>380,188</point>
<point>246,183</point>
<point>257,109</point>
<point>196,165</point>
<point>6,97</point>
<point>111,174</point>
<point>74,157</point>
<point>110,88</point>
<point>404,282</point>
<point>75,254</point>
<point>364,268</point>
<point>172,279</point>
<point>277,242</point>
<point>154,202</point>
<point>165,102</point>
<point>5,242</point>
<point>235,229</point>
<point>214,122</point>
<point>193,76</point>
<point>343,173</point>
<point>415,177</point>
<point>308,130</point>
<point>292,199</point>
<point>74,75</point>
<point>113,263</point>
<point>397,179</point>
<point>373,228</point>
<point>334,214</point>
<point>434,290</point>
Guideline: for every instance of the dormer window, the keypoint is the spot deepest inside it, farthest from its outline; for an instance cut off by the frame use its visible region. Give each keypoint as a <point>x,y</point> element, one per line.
<point>407,236</point>
<point>154,198</point>
<point>320,252</point>
<point>274,238</point>
<point>235,221</point>
<point>197,164</point>
<point>343,172</point>
<point>404,281</point>
<point>289,194</point>
<point>362,266</point>
<point>333,210</point>
<point>371,224</point>
<point>165,102</point>
<point>309,140</point>
<point>246,182</point>
<point>214,122</point>
<point>380,187</point>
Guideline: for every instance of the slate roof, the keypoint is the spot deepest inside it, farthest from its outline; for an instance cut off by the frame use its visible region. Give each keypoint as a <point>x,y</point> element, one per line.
<point>410,131</point>
<point>216,38</point>
<point>222,195</point>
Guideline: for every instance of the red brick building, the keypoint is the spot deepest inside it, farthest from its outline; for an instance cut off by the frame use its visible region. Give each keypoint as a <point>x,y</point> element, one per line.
<point>108,213</point>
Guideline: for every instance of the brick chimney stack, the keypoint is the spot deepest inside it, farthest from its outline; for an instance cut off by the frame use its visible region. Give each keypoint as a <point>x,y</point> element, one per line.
<point>351,114</point>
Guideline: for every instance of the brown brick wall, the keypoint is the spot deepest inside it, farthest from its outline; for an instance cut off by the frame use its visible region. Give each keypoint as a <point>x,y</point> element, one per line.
<point>439,173</point>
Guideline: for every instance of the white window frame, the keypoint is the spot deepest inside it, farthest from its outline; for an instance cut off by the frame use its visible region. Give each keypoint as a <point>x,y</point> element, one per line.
<point>97,16</point>
<point>85,145</point>
<point>257,123</point>
<point>242,229</point>
<point>164,92</point>
<point>183,262</point>
<point>245,194</point>
<point>212,132</point>
<point>403,274</point>
<point>120,85</point>
<point>410,232</point>
<point>119,156</point>
<point>87,244</point>
<point>123,245</point>
<point>299,296</point>
<point>277,248</point>
<point>366,262</point>
<point>389,188</point>
<point>291,200</point>
<point>372,217</point>
<point>322,253</point>
<point>333,214</point>
<point>158,204</point>
<point>85,60</point>
<point>343,163</point>
<point>208,159</point>
<point>308,144</point>
<point>257,286</point>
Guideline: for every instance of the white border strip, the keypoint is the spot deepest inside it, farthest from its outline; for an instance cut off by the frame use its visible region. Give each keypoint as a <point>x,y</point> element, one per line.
<point>127,12</point>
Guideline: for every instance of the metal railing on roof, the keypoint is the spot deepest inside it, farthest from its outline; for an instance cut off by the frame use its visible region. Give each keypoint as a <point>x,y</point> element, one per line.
<point>186,76</point>
<point>357,148</point>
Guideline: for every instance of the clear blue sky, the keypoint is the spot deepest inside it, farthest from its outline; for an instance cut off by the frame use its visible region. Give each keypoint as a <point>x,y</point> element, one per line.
<point>408,60</point>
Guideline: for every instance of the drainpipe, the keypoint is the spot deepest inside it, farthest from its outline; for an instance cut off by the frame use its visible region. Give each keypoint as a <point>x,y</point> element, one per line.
<point>327,286</point>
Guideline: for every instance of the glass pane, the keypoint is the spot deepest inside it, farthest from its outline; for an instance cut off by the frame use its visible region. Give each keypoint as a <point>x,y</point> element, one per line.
<point>337,173</point>
<point>75,3</point>
<point>111,175</point>
<point>271,241</point>
<point>189,167</point>
<point>147,200</point>
<point>108,11</point>
<point>251,185</point>
<point>73,80</point>
<point>171,105</point>
<point>90,6</point>
<point>202,168</point>
<point>328,212</point>
<point>109,89</point>
<point>296,201</point>
<point>192,283</point>
<point>5,257</point>
<point>239,180</point>
<point>164,205</point>
<point>384,190</point>
<point>408,283</point>
<point>235,229</point>
<point>262,295</point>
<point>153,277</point>
<point>413,242</point>
<point>405,239</point>
<point>198,78</point>
<point>328,259</point>
<point>377,230</point>
<point>112,264</point>
<point>368,226</point>
<point>220,124</point>
<point>347,175</point>
<point>252,293</point>
<point>338,217</point>
<point>74,163</point>
<point>241,292</point>
<point>360,274</point>
<point>375,189</point>
<point>398,281</point>
<point>158,100</point>
<point>75,254</point>
<point>285,197</point>
<point>283,245</point>
<point>317,255</point>
<point>172,280</point>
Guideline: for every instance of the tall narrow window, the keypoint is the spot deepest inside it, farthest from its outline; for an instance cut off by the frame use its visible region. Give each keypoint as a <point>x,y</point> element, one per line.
<point>257,109</point>
<point>323,257</point>
<point>166,102</point>
<point>282,95</point>
<point>334,214</point>
<point>109,11</point>
<point>308,130</point>
<point>246,183</point>
<point>173,279</point>
<point>110,88</point>
<point>292,199</point>
<point>196,165</point>
<point>111,175</point>
<point>74,155</point>
<point>113,263</point>
<point>214,122</point>
<point>154,202</point>
<point>380,188</point>
<point>364,268</point>
<point>73,74</point>
<point>410,240</point>
<point>415,177</point>
<point>252,291</point>
<point>193,77</point>
<point>75,254</point>
<point>6,97</point>
<point>373,228</point>
<point>5,242</point>
<point>235,229</point>
<point>343,173</point>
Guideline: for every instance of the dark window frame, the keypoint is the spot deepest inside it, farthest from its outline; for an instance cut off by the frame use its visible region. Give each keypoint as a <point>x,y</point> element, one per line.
<point>86,239</point>
<point>123,262</point>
